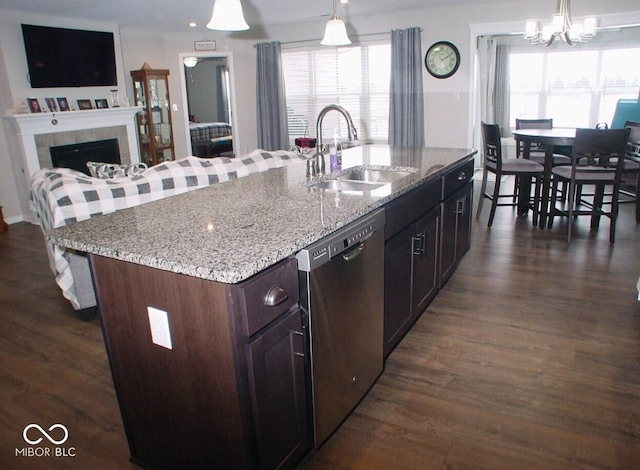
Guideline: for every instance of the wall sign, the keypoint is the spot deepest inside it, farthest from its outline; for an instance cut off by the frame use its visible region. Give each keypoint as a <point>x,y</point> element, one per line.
<point>204,45</point>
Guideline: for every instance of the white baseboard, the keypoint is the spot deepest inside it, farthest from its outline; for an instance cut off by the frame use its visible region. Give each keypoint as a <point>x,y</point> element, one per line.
<point>20,218</point>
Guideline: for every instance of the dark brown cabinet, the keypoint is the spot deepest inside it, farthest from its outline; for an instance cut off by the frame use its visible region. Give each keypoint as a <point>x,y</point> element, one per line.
<point>230,392</point>
<point>411,279</point>
<point>276,347</point>
<point>278,394</point>
<point>428,231</point>
<point>455,219</point>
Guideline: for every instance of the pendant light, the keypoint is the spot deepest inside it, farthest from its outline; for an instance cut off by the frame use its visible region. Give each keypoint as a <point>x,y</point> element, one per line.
<point>335,33</point>
<point>227,16</point>
<point>190,61</point>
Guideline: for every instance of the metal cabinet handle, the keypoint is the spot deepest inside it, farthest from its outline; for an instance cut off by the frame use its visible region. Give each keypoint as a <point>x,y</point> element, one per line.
<point>275,296</point>
<point>462,176</point>
<point>421,241</point>
<point>460,205</point>
<point>297,333</point>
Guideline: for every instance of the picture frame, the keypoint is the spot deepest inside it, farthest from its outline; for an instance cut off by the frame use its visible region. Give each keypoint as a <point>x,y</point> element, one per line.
<point>63,104</point>
<point>84,104</point>
<point>101,104</point>
<point>34,105</point>
<point>51,104</point>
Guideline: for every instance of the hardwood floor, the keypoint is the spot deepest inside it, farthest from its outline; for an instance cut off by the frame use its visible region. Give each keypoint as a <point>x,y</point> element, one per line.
<point>529,358</point>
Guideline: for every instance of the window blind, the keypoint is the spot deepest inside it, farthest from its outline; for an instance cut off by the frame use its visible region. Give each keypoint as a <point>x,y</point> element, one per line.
<point>356,78</point>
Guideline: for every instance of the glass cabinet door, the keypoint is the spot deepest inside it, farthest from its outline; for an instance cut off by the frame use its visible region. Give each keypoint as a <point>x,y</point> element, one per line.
<point>151,88</point>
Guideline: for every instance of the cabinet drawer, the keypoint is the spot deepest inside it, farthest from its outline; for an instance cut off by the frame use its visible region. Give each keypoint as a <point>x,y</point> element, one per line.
<point>268,295</point>
<point>456,178</point>
<point>408,207</point>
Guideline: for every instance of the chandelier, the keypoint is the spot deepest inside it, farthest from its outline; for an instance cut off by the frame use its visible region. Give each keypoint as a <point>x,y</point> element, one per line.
<point>561,27</point>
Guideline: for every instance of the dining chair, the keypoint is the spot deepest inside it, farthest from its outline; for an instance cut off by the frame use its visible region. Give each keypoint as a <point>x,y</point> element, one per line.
<point>597,160</point>
<point>630,185</point>
<point>524,170</point>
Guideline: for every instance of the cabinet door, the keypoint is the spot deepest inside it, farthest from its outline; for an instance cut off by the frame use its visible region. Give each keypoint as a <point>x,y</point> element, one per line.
<point>397,287</point>
<point>463,229</point>
<point>456,230</point>
<point>277,381</point>
<point>424,260</point>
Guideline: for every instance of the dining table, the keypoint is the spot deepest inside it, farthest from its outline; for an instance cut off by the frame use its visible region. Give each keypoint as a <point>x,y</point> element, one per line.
<point>549,139</point>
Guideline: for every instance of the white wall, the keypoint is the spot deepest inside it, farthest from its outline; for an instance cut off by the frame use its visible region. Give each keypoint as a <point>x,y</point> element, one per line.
<point>448,103</point>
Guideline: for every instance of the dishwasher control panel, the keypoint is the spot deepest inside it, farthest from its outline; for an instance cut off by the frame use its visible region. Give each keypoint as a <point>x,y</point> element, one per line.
<point>341,240</point>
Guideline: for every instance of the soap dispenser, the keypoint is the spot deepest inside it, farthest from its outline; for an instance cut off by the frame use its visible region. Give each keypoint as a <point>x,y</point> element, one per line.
<point>335,154</point>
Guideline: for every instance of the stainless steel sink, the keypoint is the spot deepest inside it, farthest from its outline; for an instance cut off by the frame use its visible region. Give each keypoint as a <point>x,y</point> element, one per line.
<point>347,185</point>
<point>374,176</point>
<point>361,178</point>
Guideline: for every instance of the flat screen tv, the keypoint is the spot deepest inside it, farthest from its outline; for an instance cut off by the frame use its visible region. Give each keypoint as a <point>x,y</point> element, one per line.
<point>60,57</point>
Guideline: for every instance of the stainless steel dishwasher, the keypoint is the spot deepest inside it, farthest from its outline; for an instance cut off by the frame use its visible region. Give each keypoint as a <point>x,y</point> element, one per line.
<point>342,288</point>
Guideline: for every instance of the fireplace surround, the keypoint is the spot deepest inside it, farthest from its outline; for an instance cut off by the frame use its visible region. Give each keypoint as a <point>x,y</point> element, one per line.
<point>34,130</point>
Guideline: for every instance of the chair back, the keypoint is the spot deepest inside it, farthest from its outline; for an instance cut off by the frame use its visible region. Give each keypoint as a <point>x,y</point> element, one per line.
<point>534,123</point>
<point>531,124</point>
<point>633,144</point>
<point>600,151</point>
<point>492,145</point>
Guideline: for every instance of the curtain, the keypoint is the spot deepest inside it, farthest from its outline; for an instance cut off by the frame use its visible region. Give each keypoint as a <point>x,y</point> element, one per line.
<point>406,98</point>
<point>222,98</point>
<point>494,83</point>
<point>502,90</point>
<point>487,66</point>
<point>270,95</point>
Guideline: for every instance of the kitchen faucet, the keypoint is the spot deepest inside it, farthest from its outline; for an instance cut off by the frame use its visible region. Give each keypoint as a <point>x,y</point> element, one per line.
<point>318,164</point>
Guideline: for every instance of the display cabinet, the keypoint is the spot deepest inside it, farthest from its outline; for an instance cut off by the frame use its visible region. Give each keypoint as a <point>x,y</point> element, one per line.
<point>155,135</point>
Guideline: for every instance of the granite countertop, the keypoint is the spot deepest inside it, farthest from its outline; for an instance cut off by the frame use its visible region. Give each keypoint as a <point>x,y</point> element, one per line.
<point>229,231</point>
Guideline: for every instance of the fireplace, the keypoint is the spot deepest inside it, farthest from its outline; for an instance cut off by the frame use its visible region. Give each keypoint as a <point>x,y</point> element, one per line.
<point>76,156</point>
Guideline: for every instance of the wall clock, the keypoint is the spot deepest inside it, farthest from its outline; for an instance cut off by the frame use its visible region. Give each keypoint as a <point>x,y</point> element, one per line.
<point>442,59</point>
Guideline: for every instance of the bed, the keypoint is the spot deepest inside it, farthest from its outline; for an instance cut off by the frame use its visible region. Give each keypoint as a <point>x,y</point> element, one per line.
<point>211,139</point>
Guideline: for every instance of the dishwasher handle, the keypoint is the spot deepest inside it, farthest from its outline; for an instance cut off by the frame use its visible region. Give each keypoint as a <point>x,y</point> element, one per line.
<point>354,252</point>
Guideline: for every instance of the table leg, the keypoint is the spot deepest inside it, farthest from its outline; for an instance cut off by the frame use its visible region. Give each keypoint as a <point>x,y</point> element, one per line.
<point>524,190</point>
<point>545,194</point>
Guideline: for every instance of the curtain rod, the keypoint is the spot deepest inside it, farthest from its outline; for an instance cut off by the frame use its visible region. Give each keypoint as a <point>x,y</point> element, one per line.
<point>319,39</point>
<point>385,33</point>
<point>353,36</point>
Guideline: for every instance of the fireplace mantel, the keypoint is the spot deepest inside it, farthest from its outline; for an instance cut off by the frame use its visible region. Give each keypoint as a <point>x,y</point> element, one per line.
<point>27,126</point>
<point>43,123</point>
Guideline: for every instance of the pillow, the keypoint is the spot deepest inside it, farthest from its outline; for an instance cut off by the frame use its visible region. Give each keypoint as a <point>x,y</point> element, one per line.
<point>113,170</point>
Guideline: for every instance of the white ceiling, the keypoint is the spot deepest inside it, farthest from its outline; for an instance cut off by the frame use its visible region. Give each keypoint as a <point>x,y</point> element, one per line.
<point>174,15</point>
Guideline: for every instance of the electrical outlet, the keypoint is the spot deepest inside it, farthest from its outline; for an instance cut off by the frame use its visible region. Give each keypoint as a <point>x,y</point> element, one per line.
<point>159,323</point>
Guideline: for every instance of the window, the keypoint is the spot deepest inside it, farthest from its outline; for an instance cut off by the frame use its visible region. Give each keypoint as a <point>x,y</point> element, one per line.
<point>356,78</point>
<point>575,88</point>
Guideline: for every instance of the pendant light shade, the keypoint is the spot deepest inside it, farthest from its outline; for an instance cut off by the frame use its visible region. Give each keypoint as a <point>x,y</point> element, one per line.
<point>190,61</point>
<point>335,33</point>
<point>227,16</point>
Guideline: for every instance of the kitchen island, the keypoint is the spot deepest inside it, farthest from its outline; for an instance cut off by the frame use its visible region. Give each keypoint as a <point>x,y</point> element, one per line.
<point>199,301</point>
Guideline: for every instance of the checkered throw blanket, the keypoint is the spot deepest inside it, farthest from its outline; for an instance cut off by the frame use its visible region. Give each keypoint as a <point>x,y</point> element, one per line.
<point>62,196</point>
<point>208,130</point>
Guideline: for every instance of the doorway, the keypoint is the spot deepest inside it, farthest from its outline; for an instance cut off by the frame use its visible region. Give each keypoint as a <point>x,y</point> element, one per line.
<point>209,104</point>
